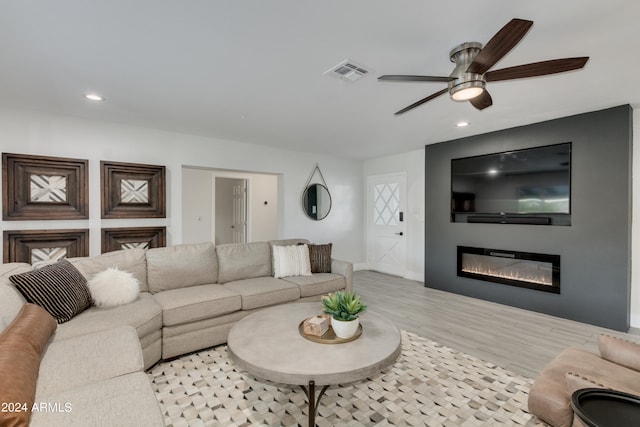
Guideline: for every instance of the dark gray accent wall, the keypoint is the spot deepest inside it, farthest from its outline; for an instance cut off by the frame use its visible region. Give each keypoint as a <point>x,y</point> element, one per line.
<point>595,249</point>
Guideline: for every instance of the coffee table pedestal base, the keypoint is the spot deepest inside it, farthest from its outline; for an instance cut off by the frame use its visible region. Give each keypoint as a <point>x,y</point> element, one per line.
<point>313,401</point>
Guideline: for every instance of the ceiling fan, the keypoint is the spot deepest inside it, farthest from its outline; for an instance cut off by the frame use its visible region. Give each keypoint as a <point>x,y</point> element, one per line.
<point>467,81</point>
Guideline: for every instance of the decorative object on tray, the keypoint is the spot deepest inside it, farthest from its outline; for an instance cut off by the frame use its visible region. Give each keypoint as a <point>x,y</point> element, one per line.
<point>344,308</point>
<point>316,325</point>
<point>329,337</point>
<point>44,188</point>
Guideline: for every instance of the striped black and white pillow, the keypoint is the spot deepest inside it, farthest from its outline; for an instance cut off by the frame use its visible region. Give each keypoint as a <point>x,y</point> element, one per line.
<point>59,288</point>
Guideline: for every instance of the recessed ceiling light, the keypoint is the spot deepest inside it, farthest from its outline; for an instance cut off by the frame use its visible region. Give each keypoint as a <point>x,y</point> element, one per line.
<point>462,124</point>
<point>93,97</point>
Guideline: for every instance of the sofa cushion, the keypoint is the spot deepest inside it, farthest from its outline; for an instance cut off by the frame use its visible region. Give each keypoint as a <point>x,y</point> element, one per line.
<point>619,351</point>
<point>144,314</point>
<point>181,266</point>
<point>239,261</point>
<point>59,288</point>
<point>11,300</point>
<point>77,361</point>
<point>291,261</point>
<point>131,260</point>
<point>195,303</point>
<point>21,344</point>
<point>318,284</point>
<point>113,287</point>
<point>9,269</point>
<point>264,291</point>
<point>185,329</point>
<point>320,258</point>
<point>126,400</point>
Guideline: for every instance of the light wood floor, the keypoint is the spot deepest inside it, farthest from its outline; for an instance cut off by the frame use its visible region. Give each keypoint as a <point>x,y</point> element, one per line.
<point>519,340</point>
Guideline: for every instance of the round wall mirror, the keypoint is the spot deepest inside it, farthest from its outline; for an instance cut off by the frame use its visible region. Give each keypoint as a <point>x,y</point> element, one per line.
<point>316,201</point>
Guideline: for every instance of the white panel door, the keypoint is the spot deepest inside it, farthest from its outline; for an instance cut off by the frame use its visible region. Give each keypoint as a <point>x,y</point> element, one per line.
<point>239,211</point>
<point>386,206</point>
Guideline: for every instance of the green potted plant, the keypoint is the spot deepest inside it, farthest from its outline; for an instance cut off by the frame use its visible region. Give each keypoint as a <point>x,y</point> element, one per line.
<point>344,308</point>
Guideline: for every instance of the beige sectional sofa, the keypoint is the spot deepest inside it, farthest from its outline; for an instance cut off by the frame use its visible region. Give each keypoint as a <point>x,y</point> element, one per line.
<point>191,295</point>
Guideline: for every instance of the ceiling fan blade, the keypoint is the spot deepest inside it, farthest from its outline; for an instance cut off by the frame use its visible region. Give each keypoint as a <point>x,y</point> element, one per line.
<point>499,45</point>
<point>422,101</point>
<point>402,78</point>
<point>536,69</point>
<point>482,101</point>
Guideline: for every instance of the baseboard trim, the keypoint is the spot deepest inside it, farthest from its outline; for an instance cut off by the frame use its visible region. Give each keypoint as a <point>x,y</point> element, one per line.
<point>418,277</point>
<point>360,266</point>
<point>409,275</point>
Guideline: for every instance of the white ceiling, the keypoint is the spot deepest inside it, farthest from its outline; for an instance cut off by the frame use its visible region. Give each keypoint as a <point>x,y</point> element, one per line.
<point>252,70</point>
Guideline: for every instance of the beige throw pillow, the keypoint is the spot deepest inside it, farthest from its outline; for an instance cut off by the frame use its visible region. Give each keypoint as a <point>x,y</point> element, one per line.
<point>291,261</point>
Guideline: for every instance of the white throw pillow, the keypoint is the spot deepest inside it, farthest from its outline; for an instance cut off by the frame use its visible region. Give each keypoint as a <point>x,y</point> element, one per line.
<point>113,287</point>
<point>291,261</point>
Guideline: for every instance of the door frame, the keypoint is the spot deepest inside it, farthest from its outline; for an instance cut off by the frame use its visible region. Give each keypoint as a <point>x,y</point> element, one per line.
<point>231,175</point>
<point>369,218</point>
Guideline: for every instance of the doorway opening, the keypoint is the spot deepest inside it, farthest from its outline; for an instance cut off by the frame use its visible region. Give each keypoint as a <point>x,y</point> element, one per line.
<point>224,206</point>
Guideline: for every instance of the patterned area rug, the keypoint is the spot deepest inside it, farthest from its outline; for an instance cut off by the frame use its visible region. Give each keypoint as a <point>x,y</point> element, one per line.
<point>429,385</point>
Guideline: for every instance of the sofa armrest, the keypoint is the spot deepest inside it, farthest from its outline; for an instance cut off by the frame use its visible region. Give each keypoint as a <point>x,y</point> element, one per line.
<point>86,359</point>
<point>620,351</point>
<point>345,269</point>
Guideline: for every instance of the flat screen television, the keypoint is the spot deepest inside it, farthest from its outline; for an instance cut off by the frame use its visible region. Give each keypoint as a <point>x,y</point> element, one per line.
<point>531,185</point>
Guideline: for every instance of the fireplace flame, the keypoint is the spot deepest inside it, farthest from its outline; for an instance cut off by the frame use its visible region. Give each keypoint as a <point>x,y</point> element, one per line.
<point>521,270</point>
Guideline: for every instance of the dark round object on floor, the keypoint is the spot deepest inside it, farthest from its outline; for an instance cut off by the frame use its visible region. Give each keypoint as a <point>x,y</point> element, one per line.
<point>597,407</point>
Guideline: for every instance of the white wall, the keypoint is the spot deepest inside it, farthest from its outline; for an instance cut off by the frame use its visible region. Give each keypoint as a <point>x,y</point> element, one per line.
<point>52,135</point>
<point>263,207</point>
<point>413,164</point>
<point>196,205</point>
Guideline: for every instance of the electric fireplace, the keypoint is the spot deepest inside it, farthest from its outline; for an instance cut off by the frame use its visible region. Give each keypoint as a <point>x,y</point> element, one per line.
<point>525,269</point>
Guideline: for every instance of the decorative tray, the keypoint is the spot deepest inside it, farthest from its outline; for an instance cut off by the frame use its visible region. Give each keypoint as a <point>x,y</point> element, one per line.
<point>328,337</point>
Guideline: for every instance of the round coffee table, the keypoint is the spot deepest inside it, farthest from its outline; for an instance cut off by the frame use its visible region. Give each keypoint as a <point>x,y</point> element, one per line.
<point>268,345</point>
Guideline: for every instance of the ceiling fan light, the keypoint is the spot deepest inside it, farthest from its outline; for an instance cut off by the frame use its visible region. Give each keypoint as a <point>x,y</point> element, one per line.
<point>466,93</point>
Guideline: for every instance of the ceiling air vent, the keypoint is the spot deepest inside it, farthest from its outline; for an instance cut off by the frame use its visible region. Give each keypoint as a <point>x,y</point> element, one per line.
<point>348,70</point>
